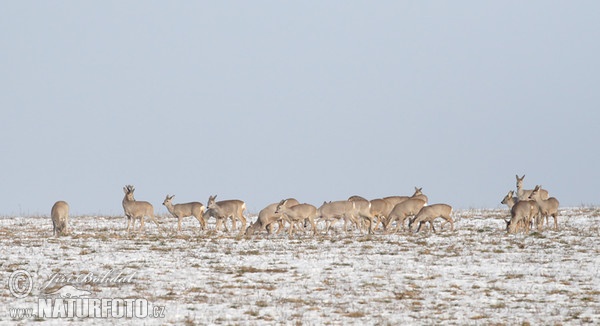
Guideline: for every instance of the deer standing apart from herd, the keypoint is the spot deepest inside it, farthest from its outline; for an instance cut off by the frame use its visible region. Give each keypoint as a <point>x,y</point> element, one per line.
<point>60,218</point>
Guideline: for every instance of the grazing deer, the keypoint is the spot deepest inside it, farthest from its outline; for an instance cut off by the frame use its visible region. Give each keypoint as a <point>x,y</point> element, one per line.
<point>362,209</point>
<point>179,211</point>
<point>520,215</point>
<point>224,209</point>
<point>331,212</point>
<point>430,213</point>
<point>136,209</point>
<point>548,207</point>
<point>523,194</point>
<point>267,218</point>
<point>298,213</point>
<point>380,209</point>
<point>410,207</point>
<point>60,218</point>
<point>510,201</point>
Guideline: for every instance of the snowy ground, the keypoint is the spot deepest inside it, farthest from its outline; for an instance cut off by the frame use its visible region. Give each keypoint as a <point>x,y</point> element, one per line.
<point>476,274</point>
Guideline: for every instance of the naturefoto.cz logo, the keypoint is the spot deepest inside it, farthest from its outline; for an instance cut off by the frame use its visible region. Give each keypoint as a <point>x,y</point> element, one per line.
<point>60,298</point>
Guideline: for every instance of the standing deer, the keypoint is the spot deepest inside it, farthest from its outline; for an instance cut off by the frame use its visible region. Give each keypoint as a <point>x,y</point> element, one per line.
<point>523,194</point>
<point>430,213</point>
<point>395,200</point>
<point>136,209</point>
<point>548,207</point>
<point>298,213</point>
<point>224,209</point>
<point>410,207</point>
<point>179,211</point>
<point>267,218</point>
<point>60,218</point>
<point>419,195</point>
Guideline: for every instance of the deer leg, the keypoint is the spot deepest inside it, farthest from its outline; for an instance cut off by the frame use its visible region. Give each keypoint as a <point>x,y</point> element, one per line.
<point>233,220</point>
<point>243,220</point>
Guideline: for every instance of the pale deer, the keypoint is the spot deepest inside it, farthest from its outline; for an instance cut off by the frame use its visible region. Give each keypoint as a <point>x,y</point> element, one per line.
<point>267,218</point>
<point>179,211</point>
<point>419,195</point>
<point>331,212</point>
<point>430,213</point>
<point>548,207</point>
<point>510,200</point>
<point>410,207</point>
<point>380,209</point>
<point>395,200</point>
<point>224,209</point>
<point>60,218</point>
<point>524,194</point>
<point>362,209</point>
<point>520,216</point>
<point>136,209</point>
<point>298,213</point>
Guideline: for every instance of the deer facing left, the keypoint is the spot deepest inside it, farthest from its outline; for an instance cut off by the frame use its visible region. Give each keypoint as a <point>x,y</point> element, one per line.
<point>179,211</point>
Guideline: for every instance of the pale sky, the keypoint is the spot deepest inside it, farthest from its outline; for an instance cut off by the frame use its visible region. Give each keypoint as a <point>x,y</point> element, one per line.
<point>317,100</point>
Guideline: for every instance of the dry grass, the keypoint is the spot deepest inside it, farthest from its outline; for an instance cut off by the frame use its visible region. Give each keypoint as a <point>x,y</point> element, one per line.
<point>476,274</point>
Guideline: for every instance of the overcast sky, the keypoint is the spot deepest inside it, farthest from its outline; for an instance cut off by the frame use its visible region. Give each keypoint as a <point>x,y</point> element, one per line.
<point>317,100</point>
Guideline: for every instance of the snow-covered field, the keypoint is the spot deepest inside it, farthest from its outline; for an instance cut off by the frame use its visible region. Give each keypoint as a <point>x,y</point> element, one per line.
<point>476,274</point>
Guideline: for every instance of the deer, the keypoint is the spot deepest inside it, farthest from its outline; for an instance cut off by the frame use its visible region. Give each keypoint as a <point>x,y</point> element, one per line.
<point>380,209</point>
<point>136,209</point>
<point>297,213</point>
<point>520,214</point>
<point>430,213</point>
<point>331,212</point>
<point>548,207</point>
<point>395,200</point>
<point>60,218</point>
<point>224,209</point>
<point>523,194</point>
<point>179,211</point>
<point>362,209</point>
<point>267,218</point>
<point>510,200</point>
<point>400,212</point>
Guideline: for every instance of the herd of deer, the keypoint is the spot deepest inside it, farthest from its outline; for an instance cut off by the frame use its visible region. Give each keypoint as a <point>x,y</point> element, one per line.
<point>389,212</point>
<point>529,207</point>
